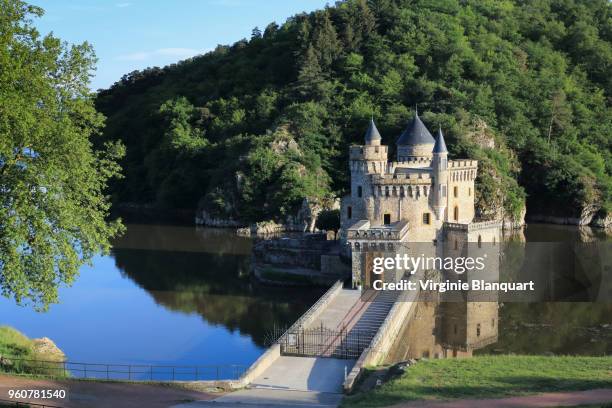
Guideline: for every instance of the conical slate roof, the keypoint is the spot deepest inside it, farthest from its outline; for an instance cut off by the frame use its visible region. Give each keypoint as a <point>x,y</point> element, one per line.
<point>372,133</point>
<point>415,133</point>
<point>440,146</point>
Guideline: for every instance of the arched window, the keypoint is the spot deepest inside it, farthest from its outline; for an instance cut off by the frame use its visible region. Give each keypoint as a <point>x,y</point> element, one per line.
<point>478,330</point>
<point>455,191</point>
<point>359,191</point>
<point>456,213</point>
<point>349,212</point>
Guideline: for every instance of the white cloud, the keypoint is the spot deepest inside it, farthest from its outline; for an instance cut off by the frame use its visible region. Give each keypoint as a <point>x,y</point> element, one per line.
<point>123,5</point>
<point>180,53</point>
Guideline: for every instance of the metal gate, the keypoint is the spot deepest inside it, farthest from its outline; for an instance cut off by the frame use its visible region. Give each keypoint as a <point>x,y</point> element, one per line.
<point>323,342</point>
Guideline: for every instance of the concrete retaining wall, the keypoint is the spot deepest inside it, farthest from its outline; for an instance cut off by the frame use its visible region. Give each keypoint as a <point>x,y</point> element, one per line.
<point>385,337</point>
<point>273,352</point>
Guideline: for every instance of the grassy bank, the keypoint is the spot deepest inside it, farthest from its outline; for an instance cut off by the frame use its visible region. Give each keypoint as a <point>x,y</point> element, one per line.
<point>489,377</point>
<point>16,349</point>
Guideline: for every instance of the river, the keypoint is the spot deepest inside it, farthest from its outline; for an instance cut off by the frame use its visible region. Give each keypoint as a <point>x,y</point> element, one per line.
<point>180,295</point>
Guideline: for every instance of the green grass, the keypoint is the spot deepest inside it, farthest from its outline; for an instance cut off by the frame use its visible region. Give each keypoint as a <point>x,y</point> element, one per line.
<point>16,347</point>
<point>15,344</point>
<point>489,377</point>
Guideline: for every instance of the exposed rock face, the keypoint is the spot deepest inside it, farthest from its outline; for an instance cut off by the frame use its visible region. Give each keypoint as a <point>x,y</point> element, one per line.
<point>304,221</point>
<point>589,215</point>
<point>203,218</point>
<point>47,348</point>
<point>510,222</point>
<point>602,221</point>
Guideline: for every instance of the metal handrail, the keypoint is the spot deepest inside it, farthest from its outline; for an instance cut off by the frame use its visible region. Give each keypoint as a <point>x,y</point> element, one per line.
<point>299,322</point>
<point>126,372</point>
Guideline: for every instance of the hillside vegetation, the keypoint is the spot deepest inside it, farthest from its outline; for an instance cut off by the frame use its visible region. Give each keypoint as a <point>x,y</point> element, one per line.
<point>248,130</point>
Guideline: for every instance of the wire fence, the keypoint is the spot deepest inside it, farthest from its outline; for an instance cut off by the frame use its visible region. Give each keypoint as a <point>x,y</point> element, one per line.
<point>121,372</point>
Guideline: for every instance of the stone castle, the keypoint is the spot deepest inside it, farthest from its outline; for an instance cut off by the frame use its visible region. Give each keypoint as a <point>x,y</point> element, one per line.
<point>420,198</point>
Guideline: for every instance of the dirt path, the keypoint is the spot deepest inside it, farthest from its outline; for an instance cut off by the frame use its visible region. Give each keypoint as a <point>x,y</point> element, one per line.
<point>549,399</point>
<point>80,394</point>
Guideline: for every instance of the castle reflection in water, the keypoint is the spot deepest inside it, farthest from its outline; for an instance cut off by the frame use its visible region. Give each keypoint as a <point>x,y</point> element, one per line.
<point>446,330</point>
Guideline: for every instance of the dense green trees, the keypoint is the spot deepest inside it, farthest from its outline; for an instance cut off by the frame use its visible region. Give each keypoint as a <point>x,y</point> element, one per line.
<point>52,207</point>
<point>524,87</point>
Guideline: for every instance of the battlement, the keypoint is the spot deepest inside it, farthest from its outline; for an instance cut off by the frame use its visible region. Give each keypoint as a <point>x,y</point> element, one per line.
<point>472,226</point>
<point>401,177</point>
<point>363,231</point>
<point>415,161</point>
<point>368,153</point>
<point>463,164</point>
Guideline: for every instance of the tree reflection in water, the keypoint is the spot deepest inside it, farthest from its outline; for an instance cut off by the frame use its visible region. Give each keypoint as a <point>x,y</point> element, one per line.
<point>210,276</point>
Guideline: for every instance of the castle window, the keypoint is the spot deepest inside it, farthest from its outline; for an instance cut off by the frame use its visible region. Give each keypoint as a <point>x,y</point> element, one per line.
<point>426,218</point>
<point>478,330</point>
<point>492,322</point>
<point>387,191</point>
<point>349,212</point>
<point>470,191</point>
<point>444,191</point>
<point>493,241</point>
<point>387,219</point>
<point>456,245</point>
<point>456,191</point>
<point>359,191</point>
<point>456,213</point>
<point>479,241</point>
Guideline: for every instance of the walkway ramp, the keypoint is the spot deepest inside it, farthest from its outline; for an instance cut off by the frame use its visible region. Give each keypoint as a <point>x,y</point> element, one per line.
<point>269,398</point>
<point>305,374</point>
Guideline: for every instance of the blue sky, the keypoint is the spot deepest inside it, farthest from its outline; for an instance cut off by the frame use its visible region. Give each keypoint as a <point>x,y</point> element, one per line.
<point>135,34</point>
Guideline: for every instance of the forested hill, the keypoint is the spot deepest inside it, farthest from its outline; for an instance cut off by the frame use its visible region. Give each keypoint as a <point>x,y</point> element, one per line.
<point>248,130</point>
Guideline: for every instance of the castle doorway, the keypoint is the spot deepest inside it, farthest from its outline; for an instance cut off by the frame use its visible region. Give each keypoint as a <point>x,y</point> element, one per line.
<point>387,219</point>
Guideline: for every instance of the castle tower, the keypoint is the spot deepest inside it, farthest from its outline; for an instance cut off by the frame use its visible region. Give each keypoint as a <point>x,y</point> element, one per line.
<point>440,175</point>
<point>372,136</point>
<point>415,143</point>
<point>365,161</point>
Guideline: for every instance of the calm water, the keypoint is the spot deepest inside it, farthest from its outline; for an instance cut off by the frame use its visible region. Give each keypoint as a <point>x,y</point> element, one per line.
<point>183,295</point>
<point>165,295</point>
<point>573,265</point>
